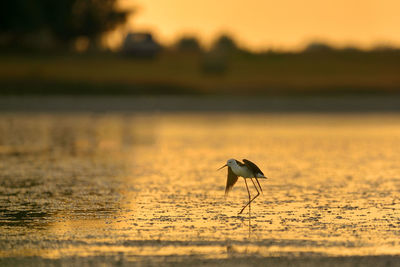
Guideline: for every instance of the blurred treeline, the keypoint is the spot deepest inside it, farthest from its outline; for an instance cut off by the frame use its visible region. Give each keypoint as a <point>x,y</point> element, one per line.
<point>39,55</point>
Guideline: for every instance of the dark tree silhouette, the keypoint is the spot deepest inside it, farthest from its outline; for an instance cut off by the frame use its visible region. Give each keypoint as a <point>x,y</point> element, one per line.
<point>19,17</point>
<point>66,20</point>
<point>69,19</point>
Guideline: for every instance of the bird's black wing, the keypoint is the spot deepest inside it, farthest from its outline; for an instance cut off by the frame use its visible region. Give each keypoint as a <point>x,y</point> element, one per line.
<point>239,163</point>
<point>253,167</point>
<point>230,182</point>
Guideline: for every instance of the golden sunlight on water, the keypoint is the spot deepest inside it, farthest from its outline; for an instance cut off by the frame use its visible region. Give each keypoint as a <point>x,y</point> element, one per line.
<point>145,186</point>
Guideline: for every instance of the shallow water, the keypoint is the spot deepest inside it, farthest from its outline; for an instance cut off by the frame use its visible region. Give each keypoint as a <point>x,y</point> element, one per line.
<point>144,187</point>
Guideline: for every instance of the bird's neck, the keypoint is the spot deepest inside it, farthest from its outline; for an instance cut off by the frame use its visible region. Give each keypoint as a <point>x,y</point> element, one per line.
<point>236,168</point>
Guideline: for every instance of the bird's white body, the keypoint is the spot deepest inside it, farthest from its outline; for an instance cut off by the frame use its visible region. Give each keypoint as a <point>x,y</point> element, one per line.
<point>243,171</point>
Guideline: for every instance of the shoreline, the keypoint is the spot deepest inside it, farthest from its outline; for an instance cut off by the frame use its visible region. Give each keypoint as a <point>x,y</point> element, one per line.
<point>366,103</point>
<point>251,260</point>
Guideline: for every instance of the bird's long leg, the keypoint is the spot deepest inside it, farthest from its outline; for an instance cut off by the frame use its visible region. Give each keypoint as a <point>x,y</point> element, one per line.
<point>258,184</point>
<point>248,191</point>
<point>258,193</point>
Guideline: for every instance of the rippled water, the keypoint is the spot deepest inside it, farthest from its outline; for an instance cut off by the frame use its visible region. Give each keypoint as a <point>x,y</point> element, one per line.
<point>144,187</point>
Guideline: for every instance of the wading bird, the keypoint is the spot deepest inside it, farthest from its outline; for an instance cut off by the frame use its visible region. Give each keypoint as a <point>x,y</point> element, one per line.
<point>247,170</point>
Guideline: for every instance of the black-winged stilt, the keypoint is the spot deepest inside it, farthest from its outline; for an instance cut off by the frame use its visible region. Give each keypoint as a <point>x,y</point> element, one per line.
<point>247,170</point>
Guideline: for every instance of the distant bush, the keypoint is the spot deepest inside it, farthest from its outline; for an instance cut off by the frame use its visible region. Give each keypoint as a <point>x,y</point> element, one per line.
<point>224,43</point>
<point>215,63</point>
<point>318,47</point>
<point>188,44</point>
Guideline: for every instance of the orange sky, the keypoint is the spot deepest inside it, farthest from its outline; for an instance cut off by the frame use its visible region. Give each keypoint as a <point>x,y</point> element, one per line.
<point>283,24</point>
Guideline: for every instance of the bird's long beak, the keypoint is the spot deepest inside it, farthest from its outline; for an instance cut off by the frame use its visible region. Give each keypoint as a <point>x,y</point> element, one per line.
<point>222,167</point>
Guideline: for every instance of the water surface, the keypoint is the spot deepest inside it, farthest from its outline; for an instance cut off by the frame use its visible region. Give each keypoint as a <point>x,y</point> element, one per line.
<point>143,187</point>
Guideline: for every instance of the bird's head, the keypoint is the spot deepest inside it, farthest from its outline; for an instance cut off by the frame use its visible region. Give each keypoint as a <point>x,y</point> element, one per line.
<point>229,163</point>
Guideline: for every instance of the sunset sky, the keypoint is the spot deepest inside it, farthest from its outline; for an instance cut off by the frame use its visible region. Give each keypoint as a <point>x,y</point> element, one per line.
<point>263,24</point>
